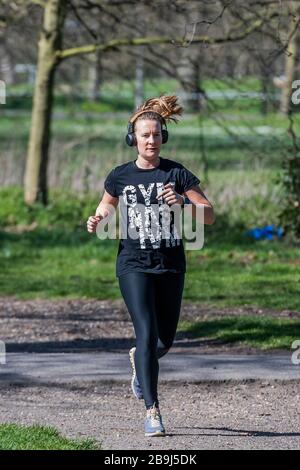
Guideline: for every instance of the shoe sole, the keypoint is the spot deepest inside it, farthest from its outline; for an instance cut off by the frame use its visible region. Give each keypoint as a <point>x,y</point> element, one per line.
<point>131,358</point>
<point>155,434</point>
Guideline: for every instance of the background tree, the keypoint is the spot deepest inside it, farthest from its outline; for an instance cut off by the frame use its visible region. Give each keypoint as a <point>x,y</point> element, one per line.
<point>73,29</point>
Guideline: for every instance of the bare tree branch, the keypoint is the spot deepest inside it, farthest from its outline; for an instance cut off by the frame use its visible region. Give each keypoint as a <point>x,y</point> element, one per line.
<point>81,20</point>
<point>91,48</point>
<point>184,42</point>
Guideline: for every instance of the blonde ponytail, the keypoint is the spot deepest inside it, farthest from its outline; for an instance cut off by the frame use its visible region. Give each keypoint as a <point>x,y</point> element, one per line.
<point>165,106</point>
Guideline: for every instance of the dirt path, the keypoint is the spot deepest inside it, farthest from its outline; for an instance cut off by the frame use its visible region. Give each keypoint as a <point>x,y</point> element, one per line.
<point>93,325</point>
<point>250,415</point>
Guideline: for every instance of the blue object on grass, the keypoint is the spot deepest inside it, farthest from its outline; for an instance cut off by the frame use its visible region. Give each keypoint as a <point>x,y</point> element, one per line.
<point>269,232</point>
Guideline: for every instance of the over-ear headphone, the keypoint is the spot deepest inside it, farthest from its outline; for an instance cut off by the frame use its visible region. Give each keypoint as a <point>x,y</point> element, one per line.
<point>131,139</point>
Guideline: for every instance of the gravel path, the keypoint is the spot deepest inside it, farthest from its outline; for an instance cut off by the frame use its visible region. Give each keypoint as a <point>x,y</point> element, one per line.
<point>36,368</point>
<point>256,414</point>
<point>246,415</point>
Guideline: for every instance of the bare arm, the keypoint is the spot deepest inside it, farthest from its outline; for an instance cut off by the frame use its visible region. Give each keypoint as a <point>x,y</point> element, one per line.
<point>105,203</point>
<point>197,196</point>
<point>106,206</point>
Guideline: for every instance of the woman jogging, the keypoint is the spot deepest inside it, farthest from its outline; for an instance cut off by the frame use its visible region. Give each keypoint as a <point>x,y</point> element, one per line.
<point>151,261</point>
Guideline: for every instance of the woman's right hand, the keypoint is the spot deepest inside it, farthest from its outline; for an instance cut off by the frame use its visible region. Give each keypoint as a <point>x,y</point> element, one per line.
<point>92,223</point>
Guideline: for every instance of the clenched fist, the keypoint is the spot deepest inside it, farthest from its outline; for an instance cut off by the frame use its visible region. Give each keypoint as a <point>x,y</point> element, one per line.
<point>93,222</point>
<point>170,196</point>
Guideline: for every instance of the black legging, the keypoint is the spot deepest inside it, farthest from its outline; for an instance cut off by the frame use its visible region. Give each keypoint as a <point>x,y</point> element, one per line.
<point>153,302</point>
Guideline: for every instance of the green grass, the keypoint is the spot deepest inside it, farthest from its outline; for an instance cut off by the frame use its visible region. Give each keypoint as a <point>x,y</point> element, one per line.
<point>260,273</point>
<point>55,264</point>
<point>259,332</point>
<point>17,437</point>
<point>239,198</point>
<point>47,252</point>
<point>60,264</point>
<point>58,258</point>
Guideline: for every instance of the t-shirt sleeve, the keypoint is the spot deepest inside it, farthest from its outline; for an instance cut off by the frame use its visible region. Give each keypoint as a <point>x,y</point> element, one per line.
<point>187,179</point>
<point>110,184</point>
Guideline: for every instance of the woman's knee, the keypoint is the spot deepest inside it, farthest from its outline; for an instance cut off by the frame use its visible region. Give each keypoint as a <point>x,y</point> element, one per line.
<point>163,347</point>
<point>147,341</point>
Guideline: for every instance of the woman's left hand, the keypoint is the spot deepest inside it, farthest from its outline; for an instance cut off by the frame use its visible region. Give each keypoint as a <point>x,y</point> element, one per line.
<point>170,196</point>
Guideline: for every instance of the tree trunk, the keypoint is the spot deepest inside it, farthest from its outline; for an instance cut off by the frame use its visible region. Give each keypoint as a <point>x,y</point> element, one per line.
<point>266,102</point>
<point>95,77</point>
<point>6,66</point>
<point>35,179</point>
<point>189,76</point>
<point>290,65</point>
<point>139,79</point>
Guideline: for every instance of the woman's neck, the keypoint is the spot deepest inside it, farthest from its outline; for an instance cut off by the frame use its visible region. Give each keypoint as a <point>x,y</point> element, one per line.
<point>147,164</point>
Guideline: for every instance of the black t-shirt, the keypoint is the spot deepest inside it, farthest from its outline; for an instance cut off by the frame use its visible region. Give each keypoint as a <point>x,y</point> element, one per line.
<point>149,239</point>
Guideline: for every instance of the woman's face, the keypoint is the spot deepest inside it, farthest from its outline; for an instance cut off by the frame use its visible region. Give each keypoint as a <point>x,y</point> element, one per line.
<point>149,138</point>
